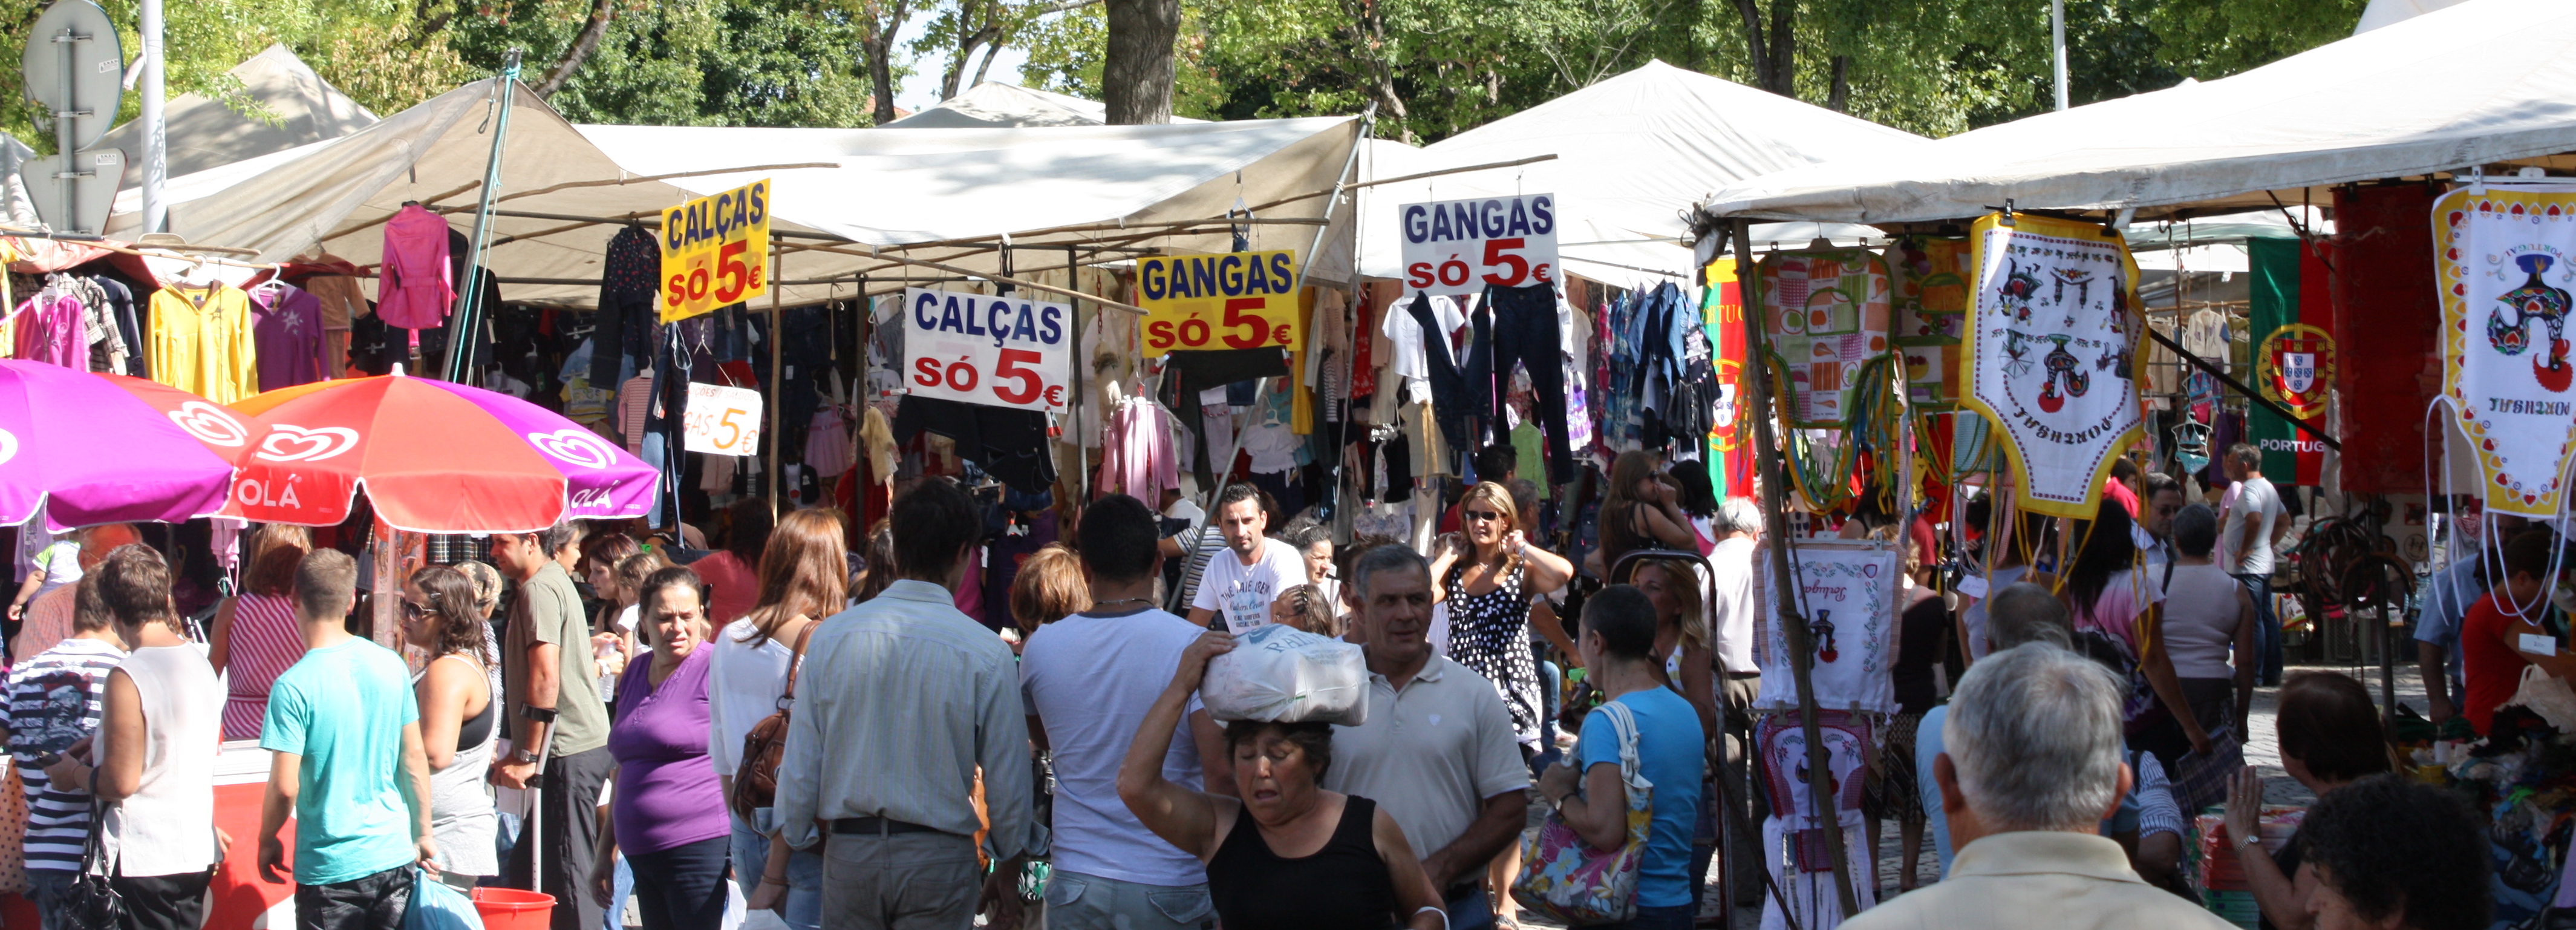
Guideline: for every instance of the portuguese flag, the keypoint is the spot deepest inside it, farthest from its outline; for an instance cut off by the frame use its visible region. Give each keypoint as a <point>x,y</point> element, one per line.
<point>2289,288</point>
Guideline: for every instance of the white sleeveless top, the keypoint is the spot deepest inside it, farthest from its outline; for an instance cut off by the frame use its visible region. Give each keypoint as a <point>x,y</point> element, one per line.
<point>2200,621</point>
<point>168,826</point>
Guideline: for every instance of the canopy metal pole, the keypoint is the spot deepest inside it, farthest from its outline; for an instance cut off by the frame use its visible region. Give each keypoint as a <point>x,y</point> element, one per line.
<point>1081,458</point>
<point>460,329</point>
<point>1192,567</point>
<point>777,375</point>
<point>1766,453</point>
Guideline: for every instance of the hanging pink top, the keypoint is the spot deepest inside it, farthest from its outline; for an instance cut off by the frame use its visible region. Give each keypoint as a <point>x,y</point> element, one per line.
<point>50,330</point>
<point>414,289</point>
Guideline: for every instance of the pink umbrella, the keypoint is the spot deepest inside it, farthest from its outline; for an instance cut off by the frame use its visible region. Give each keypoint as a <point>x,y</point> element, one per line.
<point>88,449</point>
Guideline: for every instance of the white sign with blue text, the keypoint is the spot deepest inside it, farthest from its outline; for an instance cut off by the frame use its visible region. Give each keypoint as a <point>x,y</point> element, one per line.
<point>997,351</point>
<point>1457,247</point>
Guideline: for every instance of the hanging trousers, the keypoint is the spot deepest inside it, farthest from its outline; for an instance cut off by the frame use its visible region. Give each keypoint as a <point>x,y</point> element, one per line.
<point>1451,397</point>
<point>1524,332</point>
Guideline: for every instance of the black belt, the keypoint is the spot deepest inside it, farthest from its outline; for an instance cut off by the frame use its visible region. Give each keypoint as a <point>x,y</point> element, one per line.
<point>878,826</point>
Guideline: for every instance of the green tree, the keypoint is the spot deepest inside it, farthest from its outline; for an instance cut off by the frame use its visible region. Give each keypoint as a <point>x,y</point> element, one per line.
<point>687,62</point>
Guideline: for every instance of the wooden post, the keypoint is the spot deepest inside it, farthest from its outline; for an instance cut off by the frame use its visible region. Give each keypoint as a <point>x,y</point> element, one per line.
<point>1766,454</point>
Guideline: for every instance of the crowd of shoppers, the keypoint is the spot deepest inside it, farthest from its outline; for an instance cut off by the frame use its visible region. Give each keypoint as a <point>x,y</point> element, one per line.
<point>767,724</point>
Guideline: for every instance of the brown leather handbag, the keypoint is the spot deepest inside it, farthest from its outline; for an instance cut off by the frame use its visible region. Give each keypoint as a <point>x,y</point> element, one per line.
<point>755,780</point>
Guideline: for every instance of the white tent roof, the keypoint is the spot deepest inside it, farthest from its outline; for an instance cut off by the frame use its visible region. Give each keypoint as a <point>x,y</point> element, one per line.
<point>889,188</point>
<point>2482,82</point>
<point>294,107</point>
<point>993,105</point>
<point>2391,12</point>
<point>1635,153</point>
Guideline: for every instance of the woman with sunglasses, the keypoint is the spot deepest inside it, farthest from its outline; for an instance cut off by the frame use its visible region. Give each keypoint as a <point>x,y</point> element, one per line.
<point>1488,572</point>
<point>459,718</point>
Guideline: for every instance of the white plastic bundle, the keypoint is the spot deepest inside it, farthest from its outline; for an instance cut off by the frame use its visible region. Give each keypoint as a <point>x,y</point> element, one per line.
<point>1282,674</point>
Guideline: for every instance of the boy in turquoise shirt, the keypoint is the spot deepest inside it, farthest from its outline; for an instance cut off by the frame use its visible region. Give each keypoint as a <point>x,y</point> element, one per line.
<point>347,759</point>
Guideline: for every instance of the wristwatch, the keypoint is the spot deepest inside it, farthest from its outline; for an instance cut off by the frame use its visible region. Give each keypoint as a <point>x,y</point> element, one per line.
<point>2249,839</point>
<point>522,757</point>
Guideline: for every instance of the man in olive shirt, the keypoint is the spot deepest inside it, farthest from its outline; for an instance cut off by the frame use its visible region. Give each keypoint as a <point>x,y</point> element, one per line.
<point>552,695</point>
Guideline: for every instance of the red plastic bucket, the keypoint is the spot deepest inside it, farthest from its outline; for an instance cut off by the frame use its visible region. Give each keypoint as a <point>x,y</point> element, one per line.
<point>512,909</point>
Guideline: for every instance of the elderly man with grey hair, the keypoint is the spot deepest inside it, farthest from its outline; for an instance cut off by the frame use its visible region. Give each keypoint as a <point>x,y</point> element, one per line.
<point>2031,769</point>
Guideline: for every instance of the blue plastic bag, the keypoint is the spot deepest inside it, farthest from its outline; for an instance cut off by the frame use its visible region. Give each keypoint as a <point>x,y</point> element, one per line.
<point>434,906</point>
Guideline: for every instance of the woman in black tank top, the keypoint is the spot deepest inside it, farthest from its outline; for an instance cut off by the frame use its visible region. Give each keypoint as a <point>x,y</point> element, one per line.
<point>1289,855</point>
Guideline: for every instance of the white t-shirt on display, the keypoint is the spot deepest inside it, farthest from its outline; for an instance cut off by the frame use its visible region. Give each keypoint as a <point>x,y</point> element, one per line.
<point>1243,592</point>
<point>1090,679</point>
<point>2251,499</point>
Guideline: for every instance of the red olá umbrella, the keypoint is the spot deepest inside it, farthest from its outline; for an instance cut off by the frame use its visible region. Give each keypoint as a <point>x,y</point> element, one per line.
<point>433,457</point>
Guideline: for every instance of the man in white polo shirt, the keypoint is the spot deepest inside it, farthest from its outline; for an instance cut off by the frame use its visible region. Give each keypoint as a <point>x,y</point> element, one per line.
<point>1437,752</point>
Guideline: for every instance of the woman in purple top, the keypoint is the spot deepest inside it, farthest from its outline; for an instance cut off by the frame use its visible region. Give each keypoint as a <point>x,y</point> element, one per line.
<point>668,807</point>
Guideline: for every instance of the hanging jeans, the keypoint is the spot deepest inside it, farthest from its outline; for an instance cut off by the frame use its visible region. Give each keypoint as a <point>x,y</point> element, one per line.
<point>1451,397</point>
<point>1524,333</point>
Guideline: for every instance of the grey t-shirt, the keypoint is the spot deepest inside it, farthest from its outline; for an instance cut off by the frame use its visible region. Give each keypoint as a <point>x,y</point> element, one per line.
<point>2255,501</point>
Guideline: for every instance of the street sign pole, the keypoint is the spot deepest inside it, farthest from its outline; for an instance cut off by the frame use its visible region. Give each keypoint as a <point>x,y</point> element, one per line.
<point>156,138</point>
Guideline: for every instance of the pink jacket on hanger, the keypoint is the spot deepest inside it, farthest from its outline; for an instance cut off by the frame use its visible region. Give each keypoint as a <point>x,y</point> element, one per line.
<point>413,289</point>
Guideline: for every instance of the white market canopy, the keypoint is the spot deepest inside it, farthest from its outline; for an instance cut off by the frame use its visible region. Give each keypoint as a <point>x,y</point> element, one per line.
<point>2483,82</point>
<point>943,195</point>
<point>1634,154</point>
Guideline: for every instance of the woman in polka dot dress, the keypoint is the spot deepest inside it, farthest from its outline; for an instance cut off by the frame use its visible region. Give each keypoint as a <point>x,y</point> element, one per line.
<point>1487,578</point>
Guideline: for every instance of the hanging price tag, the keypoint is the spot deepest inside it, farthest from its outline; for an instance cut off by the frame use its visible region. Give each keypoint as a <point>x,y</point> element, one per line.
<point>1457,247</point>
<point>721,420</point>
<point>996,351</point>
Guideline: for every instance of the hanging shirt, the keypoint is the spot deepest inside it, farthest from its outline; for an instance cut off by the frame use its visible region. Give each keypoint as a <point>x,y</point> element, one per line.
<point>415,288</point>
<point>629,281</point>
<point>50,329</point>
<point>286,325</point>
<point>1408,359</point>
<point>343,302</point>
<point>202,342</point>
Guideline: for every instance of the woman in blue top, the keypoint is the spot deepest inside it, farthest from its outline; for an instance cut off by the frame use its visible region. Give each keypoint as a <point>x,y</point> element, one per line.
<point>1618,645</point>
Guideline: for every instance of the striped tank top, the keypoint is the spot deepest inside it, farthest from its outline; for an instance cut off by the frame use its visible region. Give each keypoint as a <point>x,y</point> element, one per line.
<point>266,641</point>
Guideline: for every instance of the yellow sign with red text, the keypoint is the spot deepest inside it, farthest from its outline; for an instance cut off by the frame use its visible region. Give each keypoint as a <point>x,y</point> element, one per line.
<point>1238,300</point>
<point>715,251</point>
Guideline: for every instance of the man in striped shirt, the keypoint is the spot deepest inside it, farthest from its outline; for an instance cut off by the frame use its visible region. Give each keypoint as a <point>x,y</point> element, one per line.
<point>53,702</point>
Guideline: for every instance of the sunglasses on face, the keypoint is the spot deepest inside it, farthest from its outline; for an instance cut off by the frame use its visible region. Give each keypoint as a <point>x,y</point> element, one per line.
<point>1484,515</point>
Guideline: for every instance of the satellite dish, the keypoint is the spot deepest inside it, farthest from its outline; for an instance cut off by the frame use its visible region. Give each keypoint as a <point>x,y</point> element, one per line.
<point>75,67</point>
